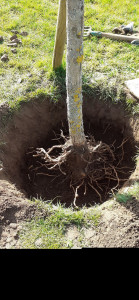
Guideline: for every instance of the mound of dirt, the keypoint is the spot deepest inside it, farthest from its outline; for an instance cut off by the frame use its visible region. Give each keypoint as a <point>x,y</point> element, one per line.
<point>15,209</point>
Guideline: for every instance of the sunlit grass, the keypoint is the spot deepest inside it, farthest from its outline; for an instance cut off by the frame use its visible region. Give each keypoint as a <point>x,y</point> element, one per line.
<point>106,62</point>
<point>50,233</point>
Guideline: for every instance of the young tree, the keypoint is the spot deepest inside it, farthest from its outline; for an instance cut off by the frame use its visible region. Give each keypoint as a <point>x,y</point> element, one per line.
<point>75,146</point>
<point>82,160</point>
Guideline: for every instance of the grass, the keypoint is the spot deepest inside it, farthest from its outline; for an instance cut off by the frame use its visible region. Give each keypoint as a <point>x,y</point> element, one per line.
<point>129,193</point>
<point>50,233</point>
<point>29,73</point>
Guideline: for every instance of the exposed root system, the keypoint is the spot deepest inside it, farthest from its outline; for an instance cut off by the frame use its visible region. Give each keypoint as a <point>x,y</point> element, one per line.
<point>97,166</point>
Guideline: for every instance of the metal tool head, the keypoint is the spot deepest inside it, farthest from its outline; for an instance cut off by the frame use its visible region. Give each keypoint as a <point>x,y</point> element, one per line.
<point>87,31</point>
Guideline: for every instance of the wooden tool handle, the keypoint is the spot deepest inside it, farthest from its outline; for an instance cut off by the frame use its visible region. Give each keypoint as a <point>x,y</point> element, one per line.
<point>119,37</point>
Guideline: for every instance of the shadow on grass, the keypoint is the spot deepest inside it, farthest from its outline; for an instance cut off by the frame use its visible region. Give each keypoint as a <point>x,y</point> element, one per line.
<point>101,90</point>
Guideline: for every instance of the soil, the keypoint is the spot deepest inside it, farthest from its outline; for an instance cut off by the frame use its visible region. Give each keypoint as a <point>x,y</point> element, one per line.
<point>38,124</point>
<point>15,209</point>
<point>37,183</point>
<point>118,227</point>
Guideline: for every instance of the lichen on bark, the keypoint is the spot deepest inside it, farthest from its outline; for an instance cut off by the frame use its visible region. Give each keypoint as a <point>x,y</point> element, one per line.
<point>75,27</point>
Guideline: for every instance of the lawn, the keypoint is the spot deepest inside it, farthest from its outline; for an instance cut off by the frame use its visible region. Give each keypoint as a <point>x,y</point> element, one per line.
<point>28,73</point>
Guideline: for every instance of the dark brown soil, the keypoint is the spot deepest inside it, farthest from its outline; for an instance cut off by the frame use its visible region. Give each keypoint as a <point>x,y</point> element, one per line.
<point>38,124</point>
<point>53,184</point>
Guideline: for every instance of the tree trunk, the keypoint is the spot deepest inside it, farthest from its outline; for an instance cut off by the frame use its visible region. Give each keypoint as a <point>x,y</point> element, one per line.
<point>75,28</point>
<point>60,38</point>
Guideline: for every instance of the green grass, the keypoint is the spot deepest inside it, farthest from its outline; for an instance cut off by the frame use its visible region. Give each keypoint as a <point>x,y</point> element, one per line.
<point>130,192</point>
<point>107,63</point>
<point>51,231</point>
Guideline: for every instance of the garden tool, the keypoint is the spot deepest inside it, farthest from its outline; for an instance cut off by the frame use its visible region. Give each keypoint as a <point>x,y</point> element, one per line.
<point>88,32</point>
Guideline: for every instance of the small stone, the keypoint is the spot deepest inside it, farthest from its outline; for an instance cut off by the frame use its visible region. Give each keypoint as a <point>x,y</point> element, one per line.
<point>13,37</point>
<point>8,246</point>
<point>4,234</point>
<point>29,75</point>
<point>20,227</point>
<point>9,239</point>
<point>1,39</point>
<point>19,80</point>
<point>38,242</point>
<point>118,30</point>
<point>4,57</point>
<point>16,40</point>
<point>15,235</point>
<point>133,86</point>
<point>15,31</point>
<point>13,225</point>
<point>24,33</point>
<point>7,223</point>
<point>14,50</point>
<point>12,45</point>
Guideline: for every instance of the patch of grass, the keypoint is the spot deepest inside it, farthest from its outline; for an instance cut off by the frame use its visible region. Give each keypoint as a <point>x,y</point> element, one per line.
<point>50,233</point>
<point>123,198</point>
<point>130,192</point>
<point>109,63</point>
<point>34,56</point>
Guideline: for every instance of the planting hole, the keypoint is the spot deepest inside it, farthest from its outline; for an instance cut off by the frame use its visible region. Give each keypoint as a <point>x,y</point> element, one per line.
<point>40,124</point>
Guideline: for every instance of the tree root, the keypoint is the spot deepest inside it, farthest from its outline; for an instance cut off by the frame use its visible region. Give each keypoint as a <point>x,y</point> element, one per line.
<point>95,166</point>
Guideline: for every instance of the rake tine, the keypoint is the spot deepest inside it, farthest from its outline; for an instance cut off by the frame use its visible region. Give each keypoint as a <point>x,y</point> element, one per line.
<point>87,31</point>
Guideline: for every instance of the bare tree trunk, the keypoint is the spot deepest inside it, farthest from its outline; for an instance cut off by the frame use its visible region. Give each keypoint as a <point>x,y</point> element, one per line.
<point>75,27</point>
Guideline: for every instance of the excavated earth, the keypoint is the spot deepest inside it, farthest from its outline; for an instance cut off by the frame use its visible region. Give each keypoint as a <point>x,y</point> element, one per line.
<point>38,124</point>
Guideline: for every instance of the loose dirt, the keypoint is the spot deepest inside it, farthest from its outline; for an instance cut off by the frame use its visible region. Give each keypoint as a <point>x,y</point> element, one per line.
<point>15,209</point>
<point>118,227</point>
<point>38,124</point>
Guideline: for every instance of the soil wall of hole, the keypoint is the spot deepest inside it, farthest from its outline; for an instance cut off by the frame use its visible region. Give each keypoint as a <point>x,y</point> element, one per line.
<point>35,121</point>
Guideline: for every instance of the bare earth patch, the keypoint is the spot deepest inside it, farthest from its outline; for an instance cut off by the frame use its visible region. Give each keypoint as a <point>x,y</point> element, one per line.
<point>118,227</point>
<point>14,210</point>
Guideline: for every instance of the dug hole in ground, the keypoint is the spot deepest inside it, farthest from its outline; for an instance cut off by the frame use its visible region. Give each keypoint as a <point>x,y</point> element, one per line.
<point>38,124</point>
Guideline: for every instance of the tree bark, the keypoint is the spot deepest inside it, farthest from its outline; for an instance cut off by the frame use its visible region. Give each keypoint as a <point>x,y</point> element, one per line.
<point>75,28</point>
<point>60,37</point>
